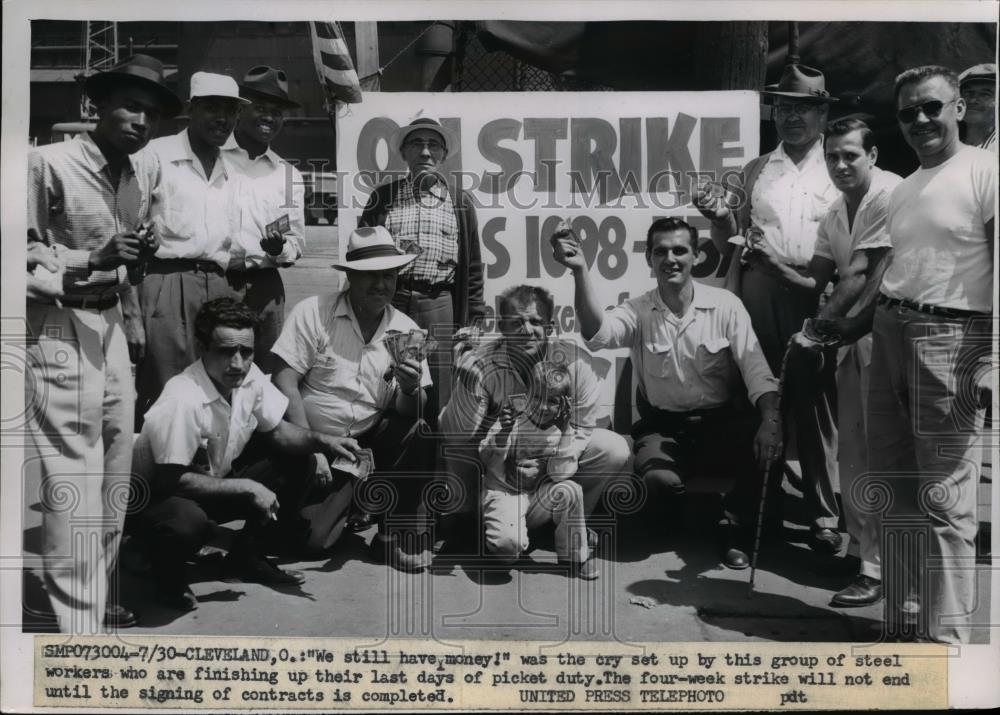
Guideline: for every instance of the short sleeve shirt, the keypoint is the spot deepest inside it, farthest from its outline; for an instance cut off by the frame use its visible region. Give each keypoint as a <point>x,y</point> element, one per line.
<point>192,424</point>
<point>941,254</point>
<point>347,383</point>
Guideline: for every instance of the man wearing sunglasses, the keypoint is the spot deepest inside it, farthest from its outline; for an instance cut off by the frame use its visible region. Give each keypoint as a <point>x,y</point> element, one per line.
<point>270,198</point>
<point>930,354</point>
<point>787,192</point>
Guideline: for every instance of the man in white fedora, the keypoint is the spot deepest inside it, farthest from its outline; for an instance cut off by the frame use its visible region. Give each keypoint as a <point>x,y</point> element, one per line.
<point>784,194</point>
<point>195,218</point>
<point>270,191</point>
<point>332,362</point>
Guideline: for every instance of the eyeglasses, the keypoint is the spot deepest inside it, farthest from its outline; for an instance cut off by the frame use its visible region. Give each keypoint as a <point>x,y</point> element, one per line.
<point>930,109</point>
<point>419,145</point>
<point>798,108</point>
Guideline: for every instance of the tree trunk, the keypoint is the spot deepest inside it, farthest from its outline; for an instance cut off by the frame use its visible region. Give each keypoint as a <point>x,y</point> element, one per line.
<point>733,55</point>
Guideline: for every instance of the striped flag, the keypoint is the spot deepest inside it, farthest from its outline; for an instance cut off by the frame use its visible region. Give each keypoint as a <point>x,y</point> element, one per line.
<point>333,63</point>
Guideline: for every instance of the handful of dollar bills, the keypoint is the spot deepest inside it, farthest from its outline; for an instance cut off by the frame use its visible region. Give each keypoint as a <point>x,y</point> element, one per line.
<point>413,345</point>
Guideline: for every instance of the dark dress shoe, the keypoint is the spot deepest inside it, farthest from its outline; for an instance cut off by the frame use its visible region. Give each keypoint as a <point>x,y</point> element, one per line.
<point>360,521</point>
<point>862,591</point>
<point>179,599</point>
<point>253,568</point>
<point>586,570</point>
<point>825,541</point>
<point>117,616</point>
<point>735,558</point>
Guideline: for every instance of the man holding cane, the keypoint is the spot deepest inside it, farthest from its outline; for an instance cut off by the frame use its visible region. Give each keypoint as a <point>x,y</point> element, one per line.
<point>687,342</point>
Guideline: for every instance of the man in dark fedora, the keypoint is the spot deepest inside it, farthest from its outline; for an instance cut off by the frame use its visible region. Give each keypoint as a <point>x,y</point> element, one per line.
<point>433,219</point>
<point>87,201</point>
<point>782,196</point>
<point>269,190</point>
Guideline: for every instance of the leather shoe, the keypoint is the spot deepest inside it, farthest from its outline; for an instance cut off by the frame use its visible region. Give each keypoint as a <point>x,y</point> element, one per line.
<point>587,570</point>
<point>735,558</point>
<point>734,555</point>
<point>117,616</point>
<point>253,568</point>
<point>825,541</point>
<point>862,591</point>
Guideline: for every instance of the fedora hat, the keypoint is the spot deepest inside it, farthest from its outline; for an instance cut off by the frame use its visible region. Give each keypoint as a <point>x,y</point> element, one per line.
<point>372,249</point>
<point>403,133</point>
<point>138,70</point>
<point>209,84</point>
<point>263,82</point>
<point>800,82</point>
<point>986,72</point>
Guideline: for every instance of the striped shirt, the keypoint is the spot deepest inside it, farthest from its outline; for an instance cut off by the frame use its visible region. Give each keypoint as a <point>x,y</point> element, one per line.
<point>425,225</point>
<point>195,216</point>
<point>267,188</point>
<point>72,203</point>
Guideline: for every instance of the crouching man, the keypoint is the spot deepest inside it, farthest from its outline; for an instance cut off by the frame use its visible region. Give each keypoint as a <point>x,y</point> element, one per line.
<point>194,459</point>
<point>690,345</point>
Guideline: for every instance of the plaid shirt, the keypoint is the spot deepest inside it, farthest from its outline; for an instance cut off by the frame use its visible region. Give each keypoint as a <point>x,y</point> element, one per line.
<point>72,203</point>
<point>426,225</point>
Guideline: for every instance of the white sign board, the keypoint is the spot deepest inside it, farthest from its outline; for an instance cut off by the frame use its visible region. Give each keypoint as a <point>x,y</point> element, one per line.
<point>611,162</point>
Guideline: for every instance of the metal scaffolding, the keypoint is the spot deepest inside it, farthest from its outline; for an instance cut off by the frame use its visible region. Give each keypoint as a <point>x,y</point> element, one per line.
<point>100,39</point>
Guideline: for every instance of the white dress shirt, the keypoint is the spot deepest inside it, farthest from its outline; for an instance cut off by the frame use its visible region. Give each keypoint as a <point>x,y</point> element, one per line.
<point>195,216</point>
<point>267,187</point>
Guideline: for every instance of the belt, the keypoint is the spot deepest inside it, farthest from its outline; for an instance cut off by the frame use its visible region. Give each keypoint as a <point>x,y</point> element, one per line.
<point>89,302</point>
<point>177,265</point>
<point>925,308</point>
<point>427,288</point>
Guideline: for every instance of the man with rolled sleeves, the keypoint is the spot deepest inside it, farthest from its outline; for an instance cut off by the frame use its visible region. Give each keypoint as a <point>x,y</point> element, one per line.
<point>691,344</point>
<point>87,199</point>
<point>269,190</point>
<point>931,352</point>
<point>784,195</point>
<point>196,216</point>
<point>435,220</point>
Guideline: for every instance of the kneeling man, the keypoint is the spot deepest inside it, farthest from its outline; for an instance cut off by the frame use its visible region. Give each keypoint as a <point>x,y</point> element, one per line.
<point>687,341</point>
<point>194,458</point>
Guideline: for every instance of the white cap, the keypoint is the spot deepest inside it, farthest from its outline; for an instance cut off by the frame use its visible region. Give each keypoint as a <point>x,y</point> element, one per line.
<point>209,84</point>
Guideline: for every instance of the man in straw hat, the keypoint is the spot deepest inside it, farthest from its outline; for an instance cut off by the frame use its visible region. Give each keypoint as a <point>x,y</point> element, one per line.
<point>87,201</point>
<point>335,362</point>
<point>978,85</point>
<point>196,216</point>
<point>270,191</point>
<point>784,195</point>
<point>434,221</point>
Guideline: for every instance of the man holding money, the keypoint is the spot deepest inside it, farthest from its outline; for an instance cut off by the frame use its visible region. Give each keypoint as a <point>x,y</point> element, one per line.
<point>196,460</point>
<point>270,195</point>
<point>87,199</point>
<point>341,363</point>
<point>690,344</point>
<point>785,194</point>
<point>195,215</point>
<point>853,243</point>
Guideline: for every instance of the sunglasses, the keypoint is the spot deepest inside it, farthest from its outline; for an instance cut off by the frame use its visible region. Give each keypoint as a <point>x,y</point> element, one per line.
<point>930,109</point>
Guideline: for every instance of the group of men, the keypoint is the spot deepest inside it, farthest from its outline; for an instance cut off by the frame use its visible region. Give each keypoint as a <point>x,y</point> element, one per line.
<point>246,414</point>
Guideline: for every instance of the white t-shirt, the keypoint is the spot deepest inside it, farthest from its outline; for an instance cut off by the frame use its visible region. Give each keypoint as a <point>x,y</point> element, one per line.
<point>940,252</point>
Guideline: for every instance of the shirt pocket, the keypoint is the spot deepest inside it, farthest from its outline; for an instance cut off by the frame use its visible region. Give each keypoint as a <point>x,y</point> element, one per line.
<point>714,355</point>
<point>819,203</point>
<point>660,360</point>
<point>328,372</point>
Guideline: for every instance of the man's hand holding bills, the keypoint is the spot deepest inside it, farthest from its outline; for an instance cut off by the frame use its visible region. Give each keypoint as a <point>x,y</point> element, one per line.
<point>712,199</point>
<point>566,247</point>
<point>274,240</point>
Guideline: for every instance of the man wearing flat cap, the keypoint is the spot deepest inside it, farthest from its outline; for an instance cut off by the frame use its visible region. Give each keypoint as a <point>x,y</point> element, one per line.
<point>333,362</point>
<point>269,190</point>
<point>434,220</point>
<point>978,85</point>
<point>87,201</point>
<point>784,195</point>
<point>196,217</point>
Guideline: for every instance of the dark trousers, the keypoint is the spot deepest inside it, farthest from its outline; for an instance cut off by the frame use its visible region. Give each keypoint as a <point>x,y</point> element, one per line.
<point>403,449</point>
<point>672,447</point>
<point>174,527</point>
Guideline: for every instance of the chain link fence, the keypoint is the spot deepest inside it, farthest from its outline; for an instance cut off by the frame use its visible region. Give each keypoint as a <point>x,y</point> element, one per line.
<point>480,70</point>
